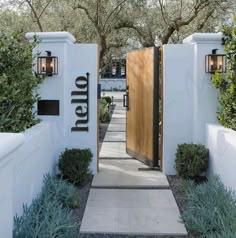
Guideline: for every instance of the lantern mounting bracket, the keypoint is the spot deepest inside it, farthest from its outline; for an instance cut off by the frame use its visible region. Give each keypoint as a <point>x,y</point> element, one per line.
<point>49,53</point>
<point>214,51</point>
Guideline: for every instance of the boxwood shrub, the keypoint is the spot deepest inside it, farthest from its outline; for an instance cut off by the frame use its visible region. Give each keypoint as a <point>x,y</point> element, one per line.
<point>191,160</point>
<point>74,165</point>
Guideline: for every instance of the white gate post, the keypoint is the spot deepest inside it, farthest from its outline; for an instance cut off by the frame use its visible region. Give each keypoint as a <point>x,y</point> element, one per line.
<point>204,93</point>
<point>73,90</point>
<point>190,99</point>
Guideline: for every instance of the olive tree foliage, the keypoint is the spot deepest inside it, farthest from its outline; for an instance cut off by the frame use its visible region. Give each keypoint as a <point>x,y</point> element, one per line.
<point>31,10</point>
<point>134,22</point>
<point>165,21</point>
<point>106,18</point>
<point>117,25</point>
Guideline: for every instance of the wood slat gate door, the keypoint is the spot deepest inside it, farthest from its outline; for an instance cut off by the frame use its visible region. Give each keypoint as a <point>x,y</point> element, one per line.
<point>142,102</point>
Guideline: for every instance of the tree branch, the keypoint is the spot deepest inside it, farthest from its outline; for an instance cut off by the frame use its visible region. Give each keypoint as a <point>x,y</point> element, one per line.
<point>204,20</point>
<point>162,12</point>
<point>79,6</point>
<point>179,22</point>
<point>111,13</point>
<point>35,15</point>
<point>109,26</point>
<point>44,8</point>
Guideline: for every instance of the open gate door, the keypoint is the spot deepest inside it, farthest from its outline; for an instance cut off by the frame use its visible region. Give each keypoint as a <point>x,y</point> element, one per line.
<point>142,102</point>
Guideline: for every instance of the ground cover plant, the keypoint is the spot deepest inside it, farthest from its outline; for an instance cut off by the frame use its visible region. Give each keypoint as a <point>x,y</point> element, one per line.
<point>17,83</point>
<point>211,209</point>
<point>191,160</point>
<point>50,214</point>
<point>74,165</point>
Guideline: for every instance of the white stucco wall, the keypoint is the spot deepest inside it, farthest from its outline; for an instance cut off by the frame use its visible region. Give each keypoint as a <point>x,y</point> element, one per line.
<point>190,99</point>
<point>222,146</point>
<point>178,102</point>
<point>22,169</point>
<point>111,84</point>
<point>204,96</point>
<point>82,58</point>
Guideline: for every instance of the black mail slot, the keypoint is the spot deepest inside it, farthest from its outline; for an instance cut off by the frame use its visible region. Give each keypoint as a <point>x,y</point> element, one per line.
<point>48,107</point>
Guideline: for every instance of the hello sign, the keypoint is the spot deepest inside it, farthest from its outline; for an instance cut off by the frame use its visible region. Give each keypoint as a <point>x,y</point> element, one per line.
<point>81,99</point>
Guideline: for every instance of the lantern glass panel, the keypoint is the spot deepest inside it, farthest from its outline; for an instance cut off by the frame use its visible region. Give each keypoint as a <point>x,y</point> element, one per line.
<point>43,65</point>
<point>215,63</point>
<point>47,65</point>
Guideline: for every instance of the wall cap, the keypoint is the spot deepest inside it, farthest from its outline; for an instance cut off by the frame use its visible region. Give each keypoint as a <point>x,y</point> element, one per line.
<point>203,38</point>
<point>52,37</point>
<point>9,143</point>
<point>222,129</point>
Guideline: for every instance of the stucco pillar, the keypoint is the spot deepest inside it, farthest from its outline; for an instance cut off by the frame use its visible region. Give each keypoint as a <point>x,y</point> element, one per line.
<point>204,93</point>
<point>74,88</point>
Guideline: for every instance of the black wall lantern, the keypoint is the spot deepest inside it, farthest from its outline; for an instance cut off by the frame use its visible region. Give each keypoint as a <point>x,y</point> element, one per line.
<point>215,62</point>
<point>47,65</point>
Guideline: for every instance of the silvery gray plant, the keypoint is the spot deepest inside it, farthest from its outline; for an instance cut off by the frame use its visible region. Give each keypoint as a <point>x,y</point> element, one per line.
<point>49,215</point>
<point>211,209</point>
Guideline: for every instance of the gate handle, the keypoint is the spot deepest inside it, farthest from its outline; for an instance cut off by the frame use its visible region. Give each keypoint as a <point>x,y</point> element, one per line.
<point>126,101</point>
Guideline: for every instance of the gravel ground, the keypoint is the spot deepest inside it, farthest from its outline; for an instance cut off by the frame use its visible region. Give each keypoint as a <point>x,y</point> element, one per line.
<point>179,194</point>
<point>83,193</point>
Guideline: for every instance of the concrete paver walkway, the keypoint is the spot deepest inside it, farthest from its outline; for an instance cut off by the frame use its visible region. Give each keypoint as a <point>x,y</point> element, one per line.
<point>124,199</point>
<point>113,145</point>
<point>126,174</point>
<point>148,212</point>
<point>114,136</point>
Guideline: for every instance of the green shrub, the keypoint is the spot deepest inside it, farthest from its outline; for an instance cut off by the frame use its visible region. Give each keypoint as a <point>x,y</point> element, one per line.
<point>211,210</point>
<point>107,99</point>
<point>74,165</point>
<point>191,160</point>
<point>104,114</point>
<point>47,217</point>
<point>103,102</point>
<point>17,83</point>
<point>226,83</point>
<point>104,111</point>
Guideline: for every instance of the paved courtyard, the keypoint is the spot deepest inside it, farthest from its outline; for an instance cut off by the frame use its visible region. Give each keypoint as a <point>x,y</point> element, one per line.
<point>126,197</point>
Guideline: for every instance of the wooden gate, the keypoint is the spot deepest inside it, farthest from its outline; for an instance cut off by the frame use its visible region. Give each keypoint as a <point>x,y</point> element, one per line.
<point>142,102</point>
